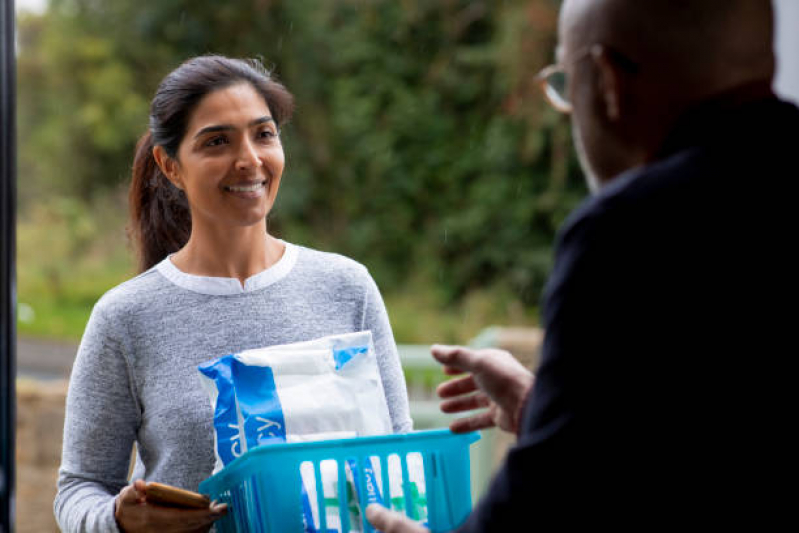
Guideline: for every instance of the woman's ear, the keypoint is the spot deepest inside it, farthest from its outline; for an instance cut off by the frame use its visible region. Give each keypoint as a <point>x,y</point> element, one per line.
<point>169,166</point>
<point>610,80</point>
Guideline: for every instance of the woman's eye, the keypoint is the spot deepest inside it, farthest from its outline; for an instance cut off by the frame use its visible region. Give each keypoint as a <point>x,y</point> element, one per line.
<point>266,134</point>
<point>216,141</point>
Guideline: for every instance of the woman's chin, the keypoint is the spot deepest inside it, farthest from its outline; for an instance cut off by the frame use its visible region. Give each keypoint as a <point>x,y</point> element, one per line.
<point>255,219</point>
<point>253,222</point>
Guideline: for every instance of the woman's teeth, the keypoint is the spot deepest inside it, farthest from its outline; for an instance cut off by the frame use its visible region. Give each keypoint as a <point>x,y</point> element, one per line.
<point>245,188</point>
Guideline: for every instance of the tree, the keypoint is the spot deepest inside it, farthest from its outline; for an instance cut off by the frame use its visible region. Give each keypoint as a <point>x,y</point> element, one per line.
<point>419,146</point>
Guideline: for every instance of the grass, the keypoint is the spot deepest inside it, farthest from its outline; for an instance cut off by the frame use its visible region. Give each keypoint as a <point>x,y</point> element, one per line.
<point>421,316</point>
<point>68,256</point>
<point>62,315</point>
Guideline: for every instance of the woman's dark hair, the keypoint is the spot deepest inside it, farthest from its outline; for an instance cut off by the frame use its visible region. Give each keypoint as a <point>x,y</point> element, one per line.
<point>160,221</point>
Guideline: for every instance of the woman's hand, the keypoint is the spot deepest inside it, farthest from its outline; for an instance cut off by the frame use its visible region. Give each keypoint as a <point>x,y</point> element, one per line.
<point>496,381</point>
<point>135,514</point>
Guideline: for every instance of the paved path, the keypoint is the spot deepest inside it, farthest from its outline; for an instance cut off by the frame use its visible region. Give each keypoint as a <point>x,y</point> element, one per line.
<point>44,359</point>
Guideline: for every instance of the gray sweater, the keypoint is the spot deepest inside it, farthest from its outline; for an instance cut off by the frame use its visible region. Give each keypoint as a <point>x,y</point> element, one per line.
<point>135,377</point>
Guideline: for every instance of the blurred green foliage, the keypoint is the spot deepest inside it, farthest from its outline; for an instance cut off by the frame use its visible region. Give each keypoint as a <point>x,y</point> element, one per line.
<point>67,257</point>
<point>420,145</point>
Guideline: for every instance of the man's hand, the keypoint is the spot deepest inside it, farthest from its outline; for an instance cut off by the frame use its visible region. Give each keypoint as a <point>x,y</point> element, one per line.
<point>134,514</point>
<point>496,381</point>
<point>391,521</point>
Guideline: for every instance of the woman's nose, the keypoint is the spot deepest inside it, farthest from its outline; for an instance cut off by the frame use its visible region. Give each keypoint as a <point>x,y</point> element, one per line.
<point>248,156</point>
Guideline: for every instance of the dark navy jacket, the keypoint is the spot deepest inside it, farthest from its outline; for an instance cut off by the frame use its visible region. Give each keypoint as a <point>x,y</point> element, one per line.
<point>659,398</point>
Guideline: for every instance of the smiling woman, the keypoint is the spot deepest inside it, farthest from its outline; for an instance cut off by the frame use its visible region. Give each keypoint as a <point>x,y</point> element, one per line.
<point>214,281</point>
<point>229,167</point>
<point>214,123</point>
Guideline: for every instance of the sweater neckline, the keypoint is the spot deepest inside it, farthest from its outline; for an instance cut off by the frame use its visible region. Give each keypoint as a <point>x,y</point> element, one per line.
<point>221,286</point>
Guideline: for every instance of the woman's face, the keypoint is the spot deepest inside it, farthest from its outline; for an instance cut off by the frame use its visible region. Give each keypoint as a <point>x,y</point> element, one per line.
<point>230,161</point>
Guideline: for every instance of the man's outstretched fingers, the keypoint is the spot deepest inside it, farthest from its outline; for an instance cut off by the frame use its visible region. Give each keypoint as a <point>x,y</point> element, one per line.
<point>390,521</point>
<point>456,387</point>
<point>457,357</point>
<point>465,403</point>
<point>472,423</point>
<point>451,370</point>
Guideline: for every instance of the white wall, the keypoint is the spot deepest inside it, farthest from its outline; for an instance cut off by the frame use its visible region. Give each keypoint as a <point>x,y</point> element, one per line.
<point>787,48</point>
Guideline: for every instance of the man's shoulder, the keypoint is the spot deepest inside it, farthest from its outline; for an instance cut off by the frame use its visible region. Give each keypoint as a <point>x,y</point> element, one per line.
<point>681,185</point>
<point>746,154</point>
<point>659,210</point>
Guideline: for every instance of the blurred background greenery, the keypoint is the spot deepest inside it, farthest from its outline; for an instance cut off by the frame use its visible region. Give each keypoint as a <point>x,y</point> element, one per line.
<point>420,146</point>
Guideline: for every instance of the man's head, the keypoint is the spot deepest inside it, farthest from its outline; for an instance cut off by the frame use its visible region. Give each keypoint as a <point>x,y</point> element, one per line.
<point>635,66</point>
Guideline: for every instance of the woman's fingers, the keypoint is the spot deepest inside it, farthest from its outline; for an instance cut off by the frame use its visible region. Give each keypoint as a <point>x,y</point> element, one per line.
<point>465,403</point>
<point>183,519</point>
<point>456,387</point>
<point>140,486</point>
<point>131,495</point>
<point>138,512</point>
<point>479,421</point>
<point>218,509</point>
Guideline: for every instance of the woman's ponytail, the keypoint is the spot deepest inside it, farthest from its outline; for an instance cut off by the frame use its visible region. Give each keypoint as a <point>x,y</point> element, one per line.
<point>160,221</point>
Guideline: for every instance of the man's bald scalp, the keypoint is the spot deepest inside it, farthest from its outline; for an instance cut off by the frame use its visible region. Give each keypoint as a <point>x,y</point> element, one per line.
<point>701,39</point>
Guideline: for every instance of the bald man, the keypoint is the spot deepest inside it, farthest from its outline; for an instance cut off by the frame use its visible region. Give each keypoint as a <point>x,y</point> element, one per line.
<point>659,395</point>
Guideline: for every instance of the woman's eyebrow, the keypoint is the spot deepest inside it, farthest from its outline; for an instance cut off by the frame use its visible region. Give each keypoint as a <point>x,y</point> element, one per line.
<point>228,127</point>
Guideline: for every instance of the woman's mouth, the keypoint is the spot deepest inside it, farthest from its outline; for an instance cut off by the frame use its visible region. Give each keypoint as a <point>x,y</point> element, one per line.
<point>245,188</point>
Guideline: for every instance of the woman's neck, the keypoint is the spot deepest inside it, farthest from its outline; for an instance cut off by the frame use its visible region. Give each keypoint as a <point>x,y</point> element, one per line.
<point>238,254</point>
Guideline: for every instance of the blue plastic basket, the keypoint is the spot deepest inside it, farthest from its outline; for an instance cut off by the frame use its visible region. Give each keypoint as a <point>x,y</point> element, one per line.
<point>263,487</point>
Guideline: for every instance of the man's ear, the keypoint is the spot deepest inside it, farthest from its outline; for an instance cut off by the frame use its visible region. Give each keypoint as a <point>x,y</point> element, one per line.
<point>610,81</point>
<point>169,167</point>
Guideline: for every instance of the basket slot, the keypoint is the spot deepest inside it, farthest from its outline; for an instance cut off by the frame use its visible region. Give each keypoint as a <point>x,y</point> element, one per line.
<point>240,507</point>
<point>320,496</point>
<point>431,489</point>
<point>418,485</point>
<point>396,499</point>
<point>309,498</point>
<point>379,475</point>
<point>386,483</point>
<point>442,470</point>
<point>410,508</point>
<point>362,501</point>
<point>254,503</point>
<point>344,512</point>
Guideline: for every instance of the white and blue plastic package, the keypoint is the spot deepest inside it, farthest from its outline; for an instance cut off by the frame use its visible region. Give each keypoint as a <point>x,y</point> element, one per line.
<point>324,388</point>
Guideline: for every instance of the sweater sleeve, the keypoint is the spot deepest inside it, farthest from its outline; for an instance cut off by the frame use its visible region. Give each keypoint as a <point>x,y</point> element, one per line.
<point>102,416</point>
<point>375,318</point>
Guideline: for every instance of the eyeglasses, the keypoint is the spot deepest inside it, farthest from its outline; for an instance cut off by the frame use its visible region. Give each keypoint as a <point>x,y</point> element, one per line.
<point>555,84</point>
